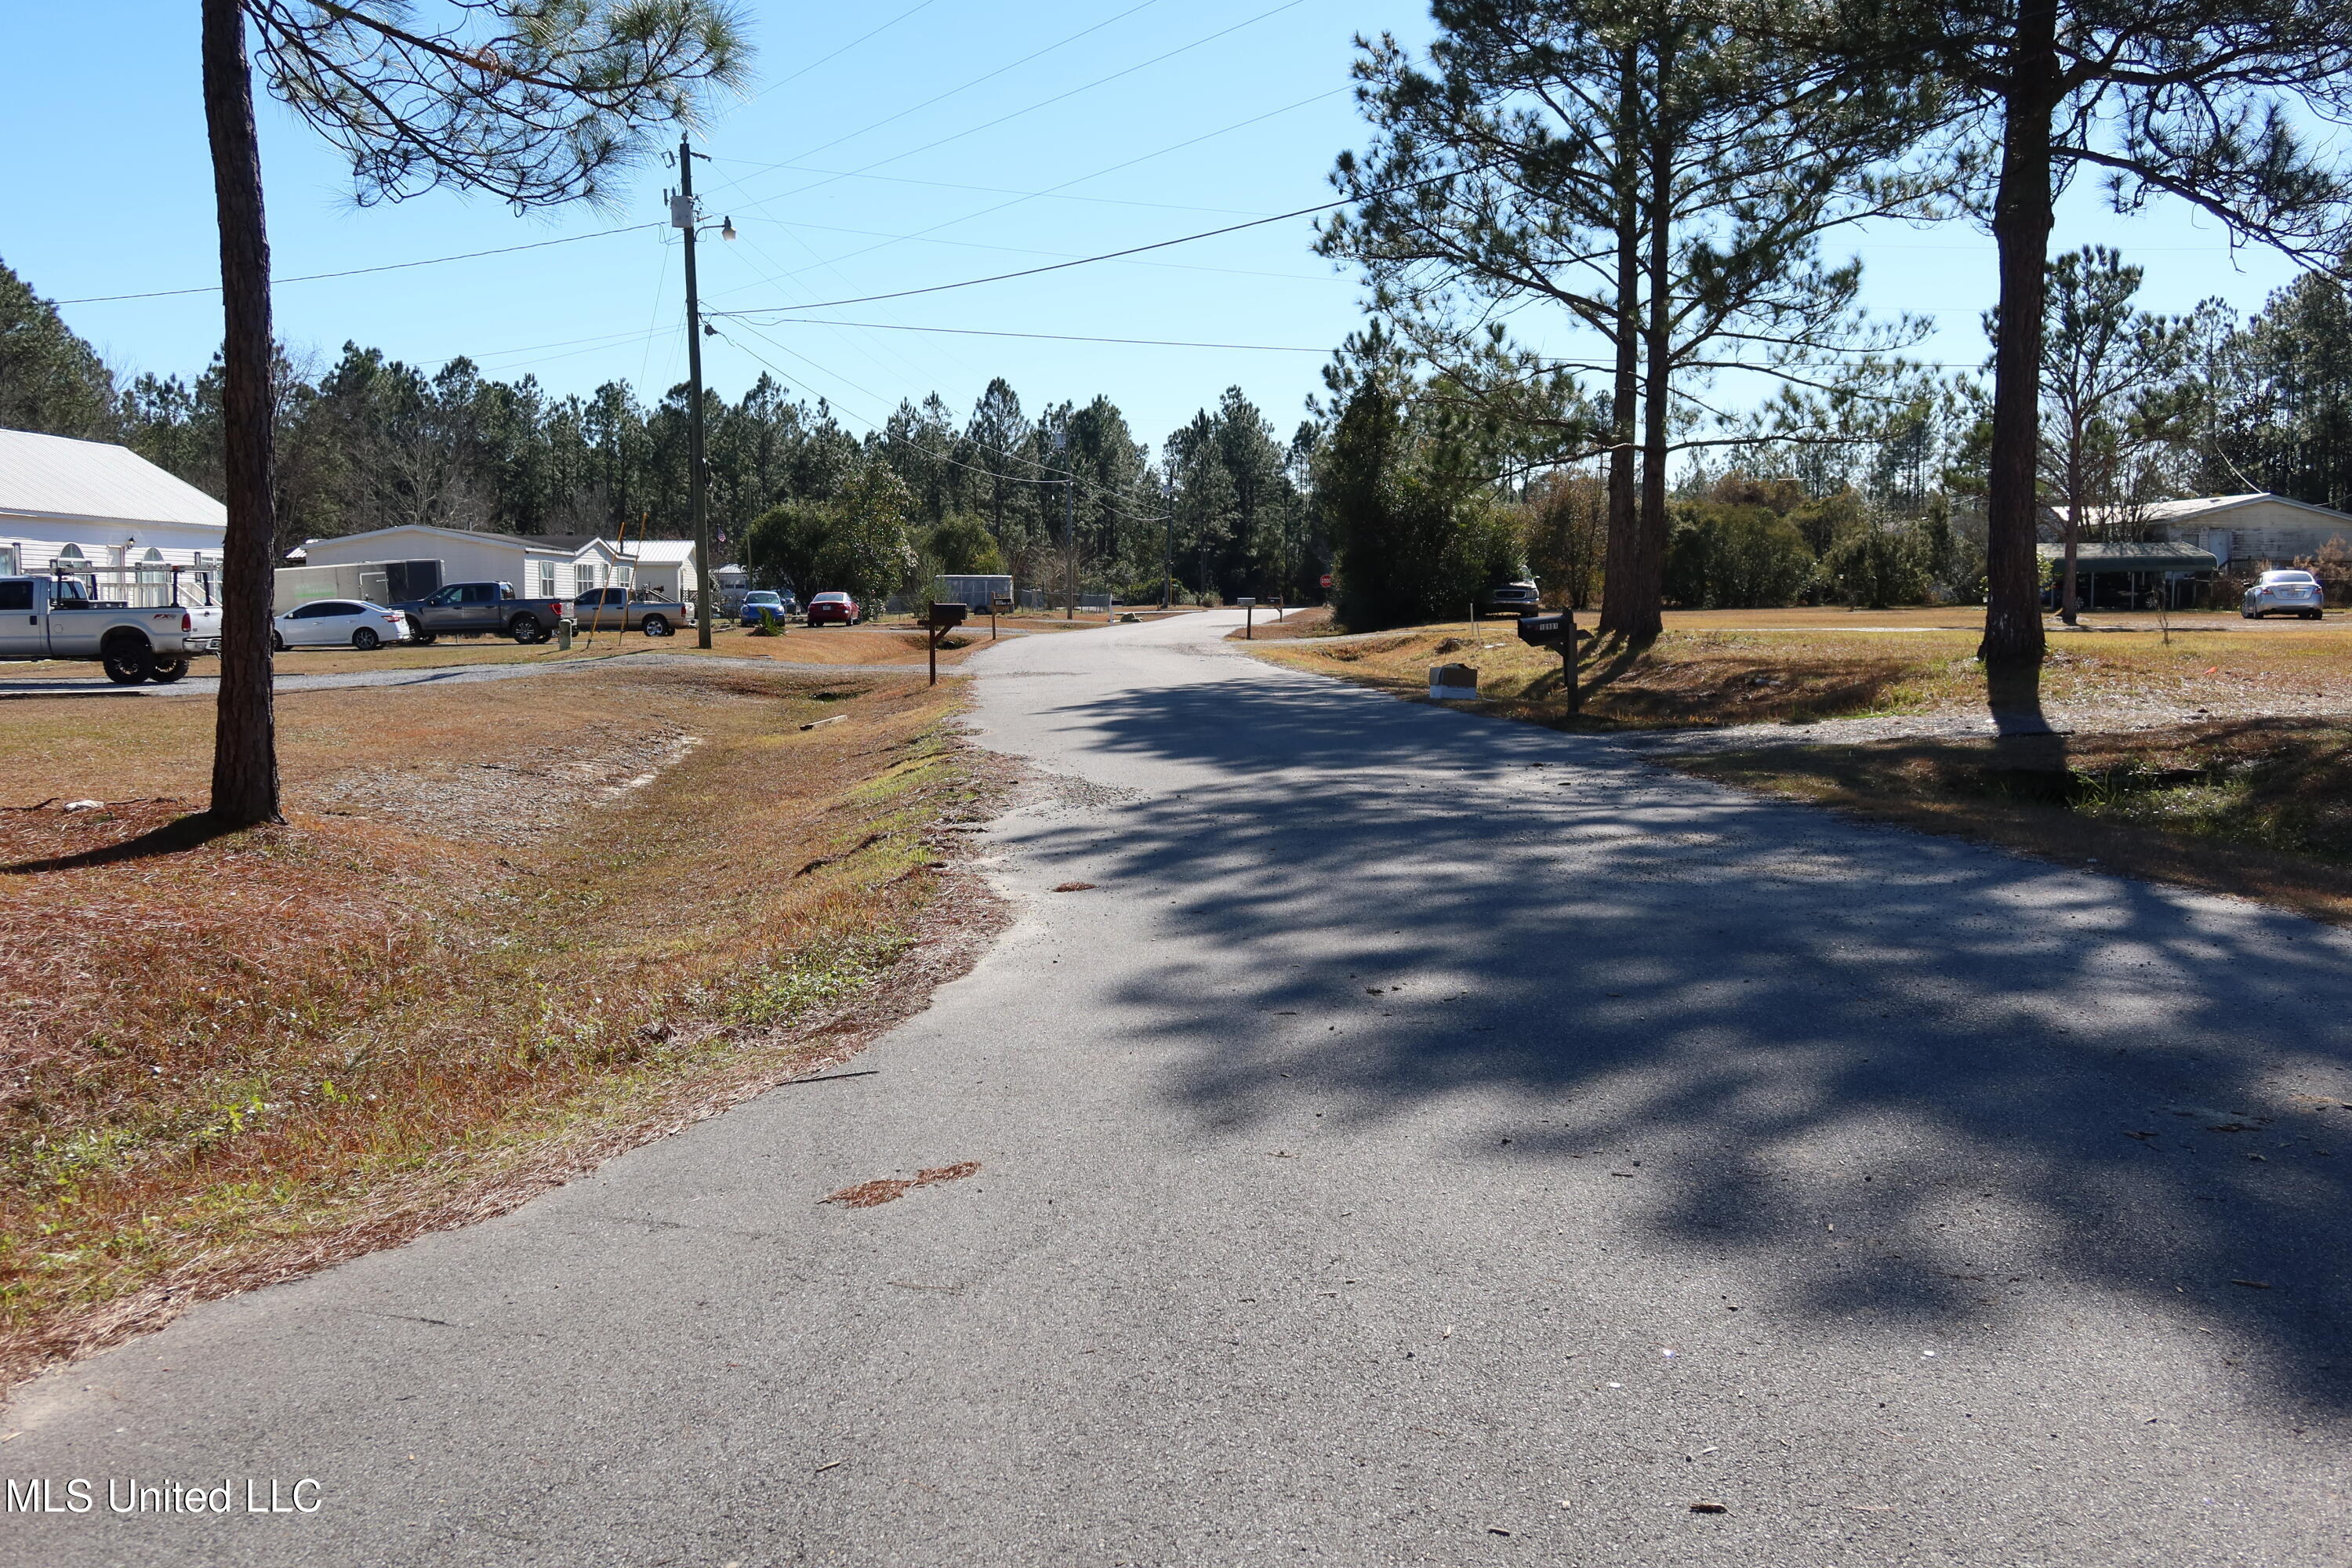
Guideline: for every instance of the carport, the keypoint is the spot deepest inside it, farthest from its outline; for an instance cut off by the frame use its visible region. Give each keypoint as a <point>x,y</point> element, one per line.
<point>2138,576</point>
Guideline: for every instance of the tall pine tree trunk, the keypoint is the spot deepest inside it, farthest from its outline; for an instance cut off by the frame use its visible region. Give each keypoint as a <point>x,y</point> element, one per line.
<point>2012,646</point>
<point>245,743</point>
<point>1659,338</point>
<point>1620,575</point>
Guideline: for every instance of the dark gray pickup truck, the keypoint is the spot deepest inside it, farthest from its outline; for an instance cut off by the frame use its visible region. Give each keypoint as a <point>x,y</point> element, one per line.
<point>478,609</point>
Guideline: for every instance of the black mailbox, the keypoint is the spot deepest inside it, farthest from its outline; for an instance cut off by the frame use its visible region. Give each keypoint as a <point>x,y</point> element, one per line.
<point>946,614</point>
<point>1547,631</point>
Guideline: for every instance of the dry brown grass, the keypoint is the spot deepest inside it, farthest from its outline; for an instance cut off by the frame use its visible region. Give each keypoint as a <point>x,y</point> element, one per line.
<point>1778,675</point>
<point>2259,809</point>
<point>1683,679</point>
<point>232,1059</point>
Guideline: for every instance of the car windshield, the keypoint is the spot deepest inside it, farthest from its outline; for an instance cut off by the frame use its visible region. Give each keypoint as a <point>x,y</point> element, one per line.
<point>831,599</point>
<point>2286,577</point>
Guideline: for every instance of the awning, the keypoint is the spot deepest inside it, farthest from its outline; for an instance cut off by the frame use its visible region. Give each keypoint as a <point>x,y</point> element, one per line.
<point>2158,556</point>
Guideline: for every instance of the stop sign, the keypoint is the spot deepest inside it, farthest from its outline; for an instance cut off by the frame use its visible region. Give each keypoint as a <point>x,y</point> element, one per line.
<point>1326,579</point>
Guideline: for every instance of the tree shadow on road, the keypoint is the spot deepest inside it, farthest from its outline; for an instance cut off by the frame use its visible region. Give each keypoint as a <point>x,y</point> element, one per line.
<point>1947,1051</point>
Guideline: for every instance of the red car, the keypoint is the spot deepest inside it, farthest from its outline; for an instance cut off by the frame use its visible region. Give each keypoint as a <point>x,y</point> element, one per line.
<point>834,609</point>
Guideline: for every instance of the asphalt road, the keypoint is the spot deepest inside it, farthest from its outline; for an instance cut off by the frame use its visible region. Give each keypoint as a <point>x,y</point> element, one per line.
<point>1429,1140</point>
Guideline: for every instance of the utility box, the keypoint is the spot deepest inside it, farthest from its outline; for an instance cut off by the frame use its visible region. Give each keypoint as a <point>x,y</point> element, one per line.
<point>1454,683</point>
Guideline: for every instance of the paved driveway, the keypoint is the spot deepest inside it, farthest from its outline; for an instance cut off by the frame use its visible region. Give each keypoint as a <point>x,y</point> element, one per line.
<point>1429,1140</point>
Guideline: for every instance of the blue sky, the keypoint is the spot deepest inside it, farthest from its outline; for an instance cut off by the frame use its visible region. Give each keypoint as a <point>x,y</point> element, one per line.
<point>827,169</point>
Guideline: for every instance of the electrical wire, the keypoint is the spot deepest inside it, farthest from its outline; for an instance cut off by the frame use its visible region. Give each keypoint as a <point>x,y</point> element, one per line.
<point>824,60</point>
<point>362,271</point>
<point>1002,118</point>
<point>1055,191</point>
<point>1050,337</point>
<point>942,96</point>
<point>1073,477</point>
<point>1081,261</point>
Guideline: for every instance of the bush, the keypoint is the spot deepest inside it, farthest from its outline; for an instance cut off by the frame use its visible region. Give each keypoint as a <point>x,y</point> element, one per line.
<point>1722,557</point>
<point>1877,568</point>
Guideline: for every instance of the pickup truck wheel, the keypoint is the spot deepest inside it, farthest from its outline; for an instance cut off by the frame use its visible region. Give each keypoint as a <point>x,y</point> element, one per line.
<point>655,627</point>
<point>419,636</point>
<point>526,629</point>
<point>127,661</point>
<point>167,667</point>
<point>365,640</point>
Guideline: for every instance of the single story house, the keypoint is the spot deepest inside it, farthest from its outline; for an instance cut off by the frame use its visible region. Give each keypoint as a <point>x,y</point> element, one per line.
<point>106,512</point>
<point>2242,531</point>
<point>540,566</point>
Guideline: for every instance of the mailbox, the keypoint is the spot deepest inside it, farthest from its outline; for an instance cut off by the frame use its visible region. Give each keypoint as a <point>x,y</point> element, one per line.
<point>946,614</point>
<point>1548,630</point>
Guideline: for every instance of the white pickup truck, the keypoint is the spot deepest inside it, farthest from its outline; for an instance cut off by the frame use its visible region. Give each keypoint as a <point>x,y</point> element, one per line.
<point>55,617</point>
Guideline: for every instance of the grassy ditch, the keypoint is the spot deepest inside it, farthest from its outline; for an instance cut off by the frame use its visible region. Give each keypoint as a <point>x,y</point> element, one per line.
<point>2258,808</point>
<point>509,930</point>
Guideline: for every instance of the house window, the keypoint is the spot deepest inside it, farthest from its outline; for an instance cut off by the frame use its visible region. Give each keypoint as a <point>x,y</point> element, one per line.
<point>586,573</point>
<point>547,579</point>
<point>8,560</point>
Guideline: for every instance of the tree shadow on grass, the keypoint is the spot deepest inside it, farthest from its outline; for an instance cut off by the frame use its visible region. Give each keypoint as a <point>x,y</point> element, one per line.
<point>181,834</point>
<point>1989,1071</point>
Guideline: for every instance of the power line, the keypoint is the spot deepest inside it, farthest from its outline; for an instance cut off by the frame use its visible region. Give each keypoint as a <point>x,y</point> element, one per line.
<point>1002,118</point>
<point>1051,337</point>
<point>942,96</point>
<point>1064,265</point>
<point>361,271</point>
<point>1071,477</point>
<point>824,60</point>
<point>1055,191</point>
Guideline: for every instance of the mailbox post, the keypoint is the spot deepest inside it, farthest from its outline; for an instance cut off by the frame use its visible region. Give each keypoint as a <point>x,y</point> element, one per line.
<point>997,604</point>
<point>1249,614</point>
<point>1557,631</point>
<point>942,619</point>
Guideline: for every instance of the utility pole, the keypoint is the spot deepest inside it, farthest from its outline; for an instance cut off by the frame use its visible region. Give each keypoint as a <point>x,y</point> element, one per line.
<point>1168,543</point>
<point>1070,545</point>
<point>682,214</point>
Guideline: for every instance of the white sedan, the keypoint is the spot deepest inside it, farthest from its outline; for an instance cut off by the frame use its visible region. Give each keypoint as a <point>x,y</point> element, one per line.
<point>2284,594</point>
<point>338,623</point>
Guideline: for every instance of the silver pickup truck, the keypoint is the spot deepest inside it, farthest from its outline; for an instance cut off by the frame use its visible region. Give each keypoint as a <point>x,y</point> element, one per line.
<point>56,617</point>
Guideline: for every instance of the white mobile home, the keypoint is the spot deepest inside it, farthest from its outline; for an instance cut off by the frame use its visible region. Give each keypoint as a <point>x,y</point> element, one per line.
<point>541,566</point>
<point>2246,530</point>
<point>89,505</point>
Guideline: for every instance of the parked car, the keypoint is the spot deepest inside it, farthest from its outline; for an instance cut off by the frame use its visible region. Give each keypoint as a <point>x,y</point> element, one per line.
<point>630,610</point>
<point>1520,598</point>
<point>473,609</point>
<point>829,609</point>
<point>339,622</point>
<point>2283,594</point>
<point>56,617</point>
<point>784,606</point>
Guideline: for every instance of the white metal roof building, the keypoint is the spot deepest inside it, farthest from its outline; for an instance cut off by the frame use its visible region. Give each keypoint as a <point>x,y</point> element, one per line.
<point>2245,528</point>
<point>91,504</point>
